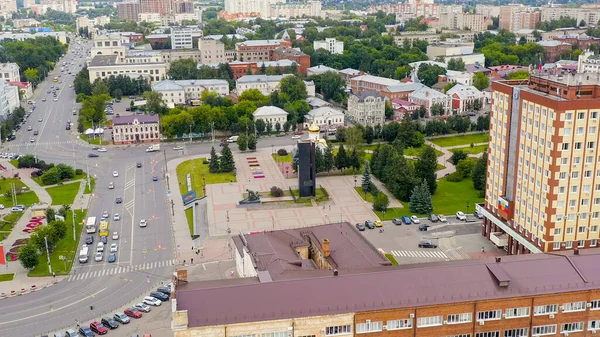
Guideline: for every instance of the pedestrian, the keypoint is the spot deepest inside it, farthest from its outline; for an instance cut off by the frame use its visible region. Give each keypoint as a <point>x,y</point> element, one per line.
<point>192,260</point>
<point>184,262</point>
<point>330,208</point>
<point>193,248</point>
<point>197,251</point>
<point>483,249</point>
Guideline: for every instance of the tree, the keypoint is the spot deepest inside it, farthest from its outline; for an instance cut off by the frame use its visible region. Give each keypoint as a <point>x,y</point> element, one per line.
<point>50,213</point>
<point>457,156</point>
<point>293,88</point>
<point>366,179</point>
<point>252,142</point>
<point>213,166</point>
<point>354,138</point>
<point>28,255</point>
<point>154,102</point>
<point>260,125</point>
<point>32,76</point>
<point>341,159</point>
<point>354,160</point>
<point>465,168</point>
<point>456,64</point>
<point>420,200</point>
<point>242,142</point>
<point>369,134</point>
<point>428,74</point>
<point>328,159</point>
<point>389,111</point>
<point>332,86</point>
<point>426,167</point>
<point>249,70</point>
<point>269,127</point>
<point>184,69</point>
<point>480,81</point>
<point>51,177</point>
<point>436,109</point>
<point>477,105</point>
<point>100,88</point>
<point>448,86</point>
<point>319,160</point>
<point>227,164</point>
<point>518,75</point>
<point>480,172</point>
<point>277,127</point>
<point>381,202</point>
<point>286,126</point>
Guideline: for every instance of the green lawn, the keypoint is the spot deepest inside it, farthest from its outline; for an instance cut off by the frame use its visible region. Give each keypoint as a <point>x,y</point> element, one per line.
<point>282,159</point>
<point>76,177</point>
<point>368,197</point>
<point>461,140</point>
<point>197,168</point>
<point>6,277</point>
<point>416,151</point>
<point>90,188</point>
<point>26,198</point>
<point>473,150</point>
<point>189,214</point>
<point>392,259</point>
<point>67,247</point>
<point>14,163</point>
<point>94,141</point>
<point>65,194</point>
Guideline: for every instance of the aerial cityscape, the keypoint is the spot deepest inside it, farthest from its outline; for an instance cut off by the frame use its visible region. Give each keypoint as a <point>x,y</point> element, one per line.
<point>299,168</point>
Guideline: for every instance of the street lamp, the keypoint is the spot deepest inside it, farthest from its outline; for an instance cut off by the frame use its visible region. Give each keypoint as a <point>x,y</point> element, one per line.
<point>467,208</point>
<point>354,181</point>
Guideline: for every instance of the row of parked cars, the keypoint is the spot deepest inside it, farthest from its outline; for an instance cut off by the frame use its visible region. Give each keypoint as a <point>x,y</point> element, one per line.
<point>155,298</point>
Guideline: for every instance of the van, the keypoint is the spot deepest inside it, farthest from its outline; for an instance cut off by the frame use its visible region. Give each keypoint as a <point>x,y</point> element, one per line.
<point>100,247</point>
<point>232,139</point>
<point>83,254</point>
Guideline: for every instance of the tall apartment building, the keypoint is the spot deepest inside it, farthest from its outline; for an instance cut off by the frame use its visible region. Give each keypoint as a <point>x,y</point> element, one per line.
<point>589,15</point>
<point>332,45</point>
<point>513,18</point>
<point>7,7</point>
<point>487,10</point>
<point>128,10</point>
<point>156,6</point>
<point>295,9</point>
<point>543,175</point>
<point>211,51</point>
<point>181,38</point>
<point>261,7</point>
<point>460,21</point>
<point>180,7</point>
<point>405,11</point>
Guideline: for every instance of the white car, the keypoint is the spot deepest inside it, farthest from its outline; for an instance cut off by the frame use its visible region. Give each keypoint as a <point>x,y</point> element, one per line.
<point>115,236</point>
<point>1,206</point>
<point>414,219</point>
<point>117,217</point>
<point>178,148</point>
<point>40,119</point>
<point>113,248</point>
<point>111,185</point>
<point>143,223</point>
<point>56,100</point>
<point>461,216</point>
<point>99,257</point>
<point>32,140</point>
<point>442,218</point>
<point>296,137</point>
<point>102,149</point>
<point>105,214</point>
<point>115,174</point>
<point>142,307</point>
<point>152,301</point>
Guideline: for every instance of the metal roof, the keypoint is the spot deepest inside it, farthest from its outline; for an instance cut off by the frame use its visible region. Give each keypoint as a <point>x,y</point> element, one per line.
<point>129,119</point>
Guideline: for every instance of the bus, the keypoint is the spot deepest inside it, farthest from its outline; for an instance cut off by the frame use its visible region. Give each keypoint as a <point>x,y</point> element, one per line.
<point>103,228</point>
<point>55,79</point>
<point>90,225</point>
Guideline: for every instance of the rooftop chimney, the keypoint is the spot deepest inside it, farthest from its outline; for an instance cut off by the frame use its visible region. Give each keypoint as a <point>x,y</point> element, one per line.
<point>326,249</point>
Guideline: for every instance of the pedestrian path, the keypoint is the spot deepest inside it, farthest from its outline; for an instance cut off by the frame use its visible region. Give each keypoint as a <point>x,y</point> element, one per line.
<point>435,254</point>
<point>116,269</point>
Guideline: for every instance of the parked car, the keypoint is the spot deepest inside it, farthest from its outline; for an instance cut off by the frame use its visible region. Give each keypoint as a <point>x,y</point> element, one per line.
<point>414,219</point>
<point>110,323</point>
<point>433,218</point>
<point>86,332</point>
<point>121,318</point>
<point>424,227</point>
<point>164,290</point>
<point>152,301</point>
<point>442,218</point>
<point>142,307</point>
<point>71,333</point>
<point>112,257</point>
<point>461,216</point>
<point>160,296</point>
<point>397,221</point>
<point>133,312</point>
<point>427,244</point>
<point>406,220</point>
<point>378,223</point>
<point>98,328</point>
<point>369,224</point>
<point>478,215</point>
<point>360,226</point>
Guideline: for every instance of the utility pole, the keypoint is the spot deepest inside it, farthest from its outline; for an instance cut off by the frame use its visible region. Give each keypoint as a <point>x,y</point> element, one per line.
<point>48,254</point>
<point>212,132</point>
<point>74,232</point>
<point>190,133</point>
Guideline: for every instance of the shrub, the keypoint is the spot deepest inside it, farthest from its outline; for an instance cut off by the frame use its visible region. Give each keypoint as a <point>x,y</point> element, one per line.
<point>455,177</point>
<point>282,152</point>
<point>205,161</point>
<point>78,172</point>
<point>276,192</point>
<point>36,173</point>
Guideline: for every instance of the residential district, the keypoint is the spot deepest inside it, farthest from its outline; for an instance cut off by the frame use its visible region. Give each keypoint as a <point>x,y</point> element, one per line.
<point>272,168</point>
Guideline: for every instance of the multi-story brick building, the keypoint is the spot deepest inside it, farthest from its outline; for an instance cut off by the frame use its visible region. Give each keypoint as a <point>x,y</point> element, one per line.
<point>288,53</point>
<point>257,50</point>
<point>583,41</point>
<point>128,10</point>
<point>543,175</point>
<point>554,49</point>
<point>460,21</point>
<point>136,129</point>
<point>513,18</point>
<point>529,295</point>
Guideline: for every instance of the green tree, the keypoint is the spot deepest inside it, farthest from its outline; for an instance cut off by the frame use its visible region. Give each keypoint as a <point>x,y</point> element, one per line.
<point>260,125</point>
<point>341,159</point>
<point>227,164</point>
<point>389,111</point>
<point>214,166</point>
<point>286,126</point>
<point>328,159</point>
<point>32,76</point>
<point>50,213</point>
<point>518,75</point>
<point>354,160</point>
<point>480,81</point>
<point>332,86</point>
<point>51,177</point>
<point>428,74</point>
<point>436,109</point>
<point>457,156</point>
<point>319,160</point>
<point>479,173</point>
<point>82,83</point>
<point>184,69</point>
<point>252,142</point>
<point>277,127</point>
<point>426,167</point>
<point>293,88</point>
<point>28,255</point>
<point>465,168</point>
<point>340,134</point>
<point>381,202</point>
<point>420,200</point>
<point>369,134</point>
<point>100,88</point>
<point>354,138</point>
<point>447,87</point>
<point>456,64</point>
<point>154,102</point>
<point>366,179</point>
<point>269,127</point>
<point>242,142</point>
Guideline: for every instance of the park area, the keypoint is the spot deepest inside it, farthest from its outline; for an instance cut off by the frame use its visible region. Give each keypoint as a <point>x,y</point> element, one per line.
<point>24,195</point>
<point>64,194</point>
<point>200,174</point>
<point>455,141</point>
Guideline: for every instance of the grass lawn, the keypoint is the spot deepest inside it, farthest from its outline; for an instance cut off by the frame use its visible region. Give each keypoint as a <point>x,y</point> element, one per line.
<point>439,166</point>
<point>282,159</point>
<point>94,141</point>
<point>392,259</point>
<point>6,277</point>
<point>416,151</point>
<point>65,194</point>
<point>14,163</point>
<point>189,214</point>
<point>473,150</point>
<point>26,198</point>
<point>197,169</point>
<point>461,140</point>
<point>67,247</point>
<point>8,223</point>
<point>90,188</point>
<point>367,198</point>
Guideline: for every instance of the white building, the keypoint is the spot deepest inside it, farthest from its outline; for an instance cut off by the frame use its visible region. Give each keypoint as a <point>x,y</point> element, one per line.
<point>9,99</point>
<point>265,83</point>
<point>463,97</point>
<point>325,117</point>
<point>182,92</point>
<point>367,107</point>
<point>60,36</point>
<point>332,45</point>
<point>454,50</point>
<point>103,66</point>
<point>7,7</point>
<point>318,70</point>
<point>588,63</point>
<point>295,9</point>
<point>9,72</point>
<point>212,50</point>
<point>181,38</point>
<point>461,77</point>
<point>260,7</point>
<point>428,97</point>
<point>270,115</point>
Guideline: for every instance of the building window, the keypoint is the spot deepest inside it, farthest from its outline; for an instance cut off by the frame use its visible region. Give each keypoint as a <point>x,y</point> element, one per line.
<point>489,315</point>
<point>517,312</point>
<point>398,324</point>
<point>546,309</point>
<point>460,318</point>
<point>369,326</point>
<point>572,327</point>
<point>543,330</point>
<point>275,334</point>
<point>593,325</point>
<point>252,335</point>
<point>488,334</point>
<point>465,335</point>
<point>574,306</point>
<point>522,332</point>
<point>429,321</point>
<point>338,330</point>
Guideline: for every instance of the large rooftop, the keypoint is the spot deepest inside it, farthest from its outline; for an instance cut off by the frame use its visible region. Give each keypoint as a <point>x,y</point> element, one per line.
<point>247,300</point>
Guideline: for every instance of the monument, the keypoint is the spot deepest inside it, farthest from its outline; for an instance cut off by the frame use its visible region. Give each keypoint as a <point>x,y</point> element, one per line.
<point>253,198</point>
<point>304,158</point>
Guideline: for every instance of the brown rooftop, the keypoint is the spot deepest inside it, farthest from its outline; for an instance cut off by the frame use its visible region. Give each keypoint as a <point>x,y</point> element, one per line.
<point>390,288</point>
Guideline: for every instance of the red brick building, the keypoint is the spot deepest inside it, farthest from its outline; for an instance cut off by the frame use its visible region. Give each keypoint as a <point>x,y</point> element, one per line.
<point>257,50</point>
<point>288,53</point>
<point>583,41</point>
<point>554,49</point>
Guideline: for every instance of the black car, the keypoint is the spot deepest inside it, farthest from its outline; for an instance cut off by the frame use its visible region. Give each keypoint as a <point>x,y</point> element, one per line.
<point>119,200</point>
<point>104,239</point>
<point>478,215</point>
<point>89,240</point>
<point>160,296</point>
<point>360,226</point>
<point>109,323</point>
<point>93,155</point>
<point>95,148</point>
<point>139,165</point>
<point>369,224</point>
<point>86,332</point>
<point>427,244</point>
<point>164,290</point>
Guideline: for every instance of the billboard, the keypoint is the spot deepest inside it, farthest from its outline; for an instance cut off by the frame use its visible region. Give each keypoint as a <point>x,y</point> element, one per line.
<point>189,197</point>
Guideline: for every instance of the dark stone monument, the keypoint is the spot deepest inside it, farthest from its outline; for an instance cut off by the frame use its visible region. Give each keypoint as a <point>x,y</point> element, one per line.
<point>252,199</point>
<point>304,157</point>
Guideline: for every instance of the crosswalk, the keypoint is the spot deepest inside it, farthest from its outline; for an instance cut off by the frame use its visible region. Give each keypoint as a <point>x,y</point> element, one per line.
<point>63,142</point>
<point>116,269</point>
<point>423,254</point>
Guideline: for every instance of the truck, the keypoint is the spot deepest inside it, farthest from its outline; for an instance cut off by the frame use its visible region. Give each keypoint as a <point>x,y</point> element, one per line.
<point>153,148</point>
<point>83,254</point>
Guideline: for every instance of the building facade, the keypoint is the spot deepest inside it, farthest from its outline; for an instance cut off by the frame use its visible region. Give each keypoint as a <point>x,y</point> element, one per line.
<point>182,92</point>
<point>463,21</point>
<point>332,45</point>
<point>128,10</point>
<point>9,72</point>
<point>7,7</point>
<point>211,51</point>
<point>296,9</point>
<point>301,59</point>
<point>265,83</point>
<point>136,129</point>
<point>428,97</point>
<point>513,18</point>
<point>464,98</point>
<point>588,15</point>
<point>542,185</point>
<point>9,99</point>
<point>271,115</point>
<point>554,49</point>
<point>367,108</point>
<point>257,50</point>
<point>181,38</point>
<point>325,118</point>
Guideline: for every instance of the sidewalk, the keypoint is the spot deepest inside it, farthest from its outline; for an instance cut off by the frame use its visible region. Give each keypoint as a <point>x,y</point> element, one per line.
<point>444,160</point>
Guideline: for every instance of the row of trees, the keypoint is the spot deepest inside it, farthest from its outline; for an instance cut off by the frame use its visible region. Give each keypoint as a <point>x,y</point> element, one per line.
<point>117,85</point>
<point>223,163</point>
<point>11,121</point>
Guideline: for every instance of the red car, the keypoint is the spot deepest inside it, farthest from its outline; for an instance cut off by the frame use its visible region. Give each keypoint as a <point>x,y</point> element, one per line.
<point>98,328</point>
<point>133,312</point>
